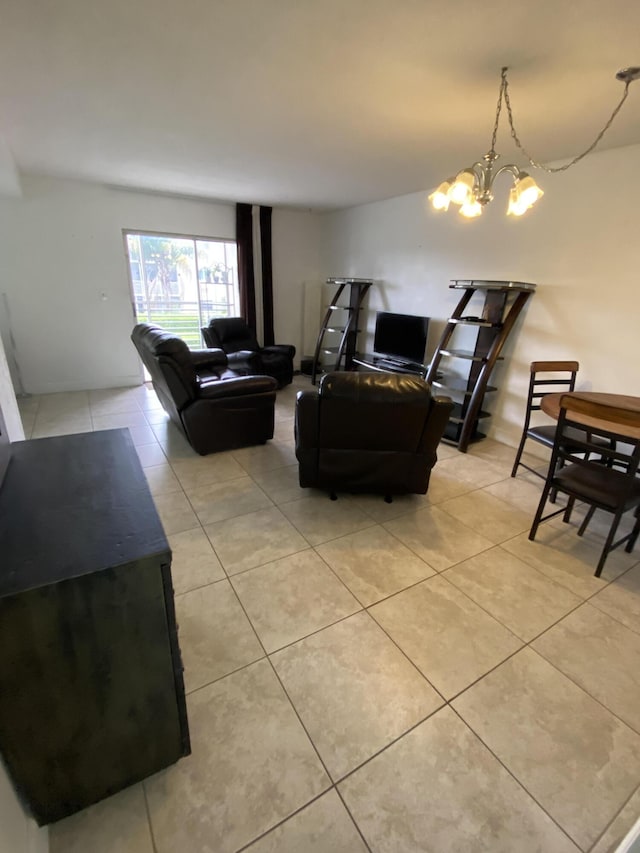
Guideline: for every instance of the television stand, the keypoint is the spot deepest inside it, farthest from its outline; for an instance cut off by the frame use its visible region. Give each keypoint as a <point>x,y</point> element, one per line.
<point>384,364</point>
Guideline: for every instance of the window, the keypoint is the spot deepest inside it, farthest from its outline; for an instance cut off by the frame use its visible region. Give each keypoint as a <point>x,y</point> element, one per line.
<point>180,283</point>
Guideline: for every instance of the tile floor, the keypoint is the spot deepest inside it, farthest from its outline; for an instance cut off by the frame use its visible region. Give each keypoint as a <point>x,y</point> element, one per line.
<point>414,676</point>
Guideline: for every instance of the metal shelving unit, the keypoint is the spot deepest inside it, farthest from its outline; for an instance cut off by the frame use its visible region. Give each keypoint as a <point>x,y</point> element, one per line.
<point>503,302</point>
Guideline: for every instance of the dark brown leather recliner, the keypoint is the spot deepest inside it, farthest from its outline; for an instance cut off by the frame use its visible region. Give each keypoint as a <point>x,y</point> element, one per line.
<point>215,407</point>
<point>369,432</point>
<point>237,339</point>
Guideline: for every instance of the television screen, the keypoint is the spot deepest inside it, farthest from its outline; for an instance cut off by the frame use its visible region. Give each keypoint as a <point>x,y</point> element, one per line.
<point>401,336</point>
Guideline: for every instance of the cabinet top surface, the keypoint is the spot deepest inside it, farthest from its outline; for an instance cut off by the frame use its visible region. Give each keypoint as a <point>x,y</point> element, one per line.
<point>72,505</point>
<point>482,284</point>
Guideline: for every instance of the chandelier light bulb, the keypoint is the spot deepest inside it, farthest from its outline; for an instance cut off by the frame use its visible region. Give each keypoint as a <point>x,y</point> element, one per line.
<point>461,191</point>
<point>471,208</point>
<point>528,191</point>
<point>515,208</point>
<point>440,197</point>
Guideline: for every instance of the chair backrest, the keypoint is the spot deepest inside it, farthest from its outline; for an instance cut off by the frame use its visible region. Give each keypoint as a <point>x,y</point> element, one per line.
<point>374,411</point>
<point>230,334</point>
<point>602,421</point>
<point>168,360</point>
<point>547,377</point>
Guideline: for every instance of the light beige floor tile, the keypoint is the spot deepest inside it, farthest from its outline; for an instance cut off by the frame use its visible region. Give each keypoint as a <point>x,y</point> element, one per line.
<point>28,405</point>
<point>194,562</point>
<point>436,537</point>
<point>322,827</point>
<point>156,416</point>
<point>65,401</point>
<point>173,442</point>
<point>293,597</point>
<point>319,519</point>
<point>282,484</point>
<point>141,435</point>
<point>200,471</point>
<point>265,457</point>
<point>623,824</point>
<point>488,515</point>
<point>374,564</point>
<point>354,690</point>
<point>175,512</point>
<point>118,824</point>
<point>218,501</point>
<point>55,423</point>
<point>215,636</point>
<point>447,451</point>
<point>121,419</point>
<point>621,599</point>
<point>445,484</point>
<point>251,540</point>
<point>520,597</point>
<point>600,655</point>
<point>113,402</point>
<point>439,789</point>
<point>576,759</point>
<point>450,639</point>
<point>568,559</point>
<point>251,766</point>
<point>379,510</point>
<point>150,454</point>
<point>283,430</point>
<point>50,430</point>
<point>518,492</point>
<point>473,470</point>
<point>161,479</point>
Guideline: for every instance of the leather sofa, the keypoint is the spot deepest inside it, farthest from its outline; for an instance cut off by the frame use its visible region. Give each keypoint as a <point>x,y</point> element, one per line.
<point>215,407</point>
<point>237,339</point>
<point>369,432</point>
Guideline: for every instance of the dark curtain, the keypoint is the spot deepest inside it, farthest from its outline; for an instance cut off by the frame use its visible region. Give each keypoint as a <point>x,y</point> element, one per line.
<point>244,240</point>
<point>267,275</point>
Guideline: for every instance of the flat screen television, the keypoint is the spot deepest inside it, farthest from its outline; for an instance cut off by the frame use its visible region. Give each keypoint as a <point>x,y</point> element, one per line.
<point>400,336</point>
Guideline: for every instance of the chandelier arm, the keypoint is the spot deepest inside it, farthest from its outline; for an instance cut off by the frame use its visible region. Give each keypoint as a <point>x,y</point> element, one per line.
<point>551,169</point>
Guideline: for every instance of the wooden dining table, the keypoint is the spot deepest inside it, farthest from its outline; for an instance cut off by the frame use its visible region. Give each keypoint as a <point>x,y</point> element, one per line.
<point>550,404</point>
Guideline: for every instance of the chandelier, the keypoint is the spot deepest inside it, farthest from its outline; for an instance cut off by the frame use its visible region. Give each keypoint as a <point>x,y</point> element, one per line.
<point>472,188</point>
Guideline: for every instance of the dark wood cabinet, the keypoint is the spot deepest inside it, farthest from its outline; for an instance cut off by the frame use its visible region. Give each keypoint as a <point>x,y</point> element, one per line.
<point>91,686</point>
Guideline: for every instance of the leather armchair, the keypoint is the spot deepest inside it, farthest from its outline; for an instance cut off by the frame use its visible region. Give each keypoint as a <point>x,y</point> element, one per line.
<point>215,407</point>
<point>237,339</point>
<point>369,432</point>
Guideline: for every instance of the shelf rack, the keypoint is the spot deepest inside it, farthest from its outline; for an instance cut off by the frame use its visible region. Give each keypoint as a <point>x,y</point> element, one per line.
<point>503,302</point>
<point>341,319</point>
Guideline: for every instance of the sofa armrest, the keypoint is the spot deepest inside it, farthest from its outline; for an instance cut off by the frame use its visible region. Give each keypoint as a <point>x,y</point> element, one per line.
<point>306,426</point>
<point>436,422</point>
<point>239,387</point>
<point>247,360</point>
<point>282,349</point>
<point>203,358</point>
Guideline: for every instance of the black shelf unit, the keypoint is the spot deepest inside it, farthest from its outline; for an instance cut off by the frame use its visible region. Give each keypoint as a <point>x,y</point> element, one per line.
<point>503,302</point>
<point>336,346</point>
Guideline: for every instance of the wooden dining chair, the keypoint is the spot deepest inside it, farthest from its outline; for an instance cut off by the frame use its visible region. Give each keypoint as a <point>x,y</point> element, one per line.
<point>546,377</point>
<point>603,475</point>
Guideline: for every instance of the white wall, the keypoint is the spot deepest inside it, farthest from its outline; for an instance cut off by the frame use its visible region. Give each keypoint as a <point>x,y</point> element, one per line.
<point>579,245</point>
<point>62,248</point>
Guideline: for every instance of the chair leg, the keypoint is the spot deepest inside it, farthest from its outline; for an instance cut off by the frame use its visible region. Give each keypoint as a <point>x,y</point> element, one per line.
<point>388,499</point>
<point>567,513</point>
<point>586,520</point>
<point>539,511</point>
<point>634,534</point>
<point>608,543</point>
<point>516,461</point>
<point>333,496</point>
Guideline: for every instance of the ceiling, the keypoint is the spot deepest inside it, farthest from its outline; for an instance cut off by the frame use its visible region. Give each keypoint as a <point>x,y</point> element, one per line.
<point>318,104</point>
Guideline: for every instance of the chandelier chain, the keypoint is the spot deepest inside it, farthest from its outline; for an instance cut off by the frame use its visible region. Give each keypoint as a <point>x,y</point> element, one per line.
<point>494,136</point>
<point>504,91</point>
